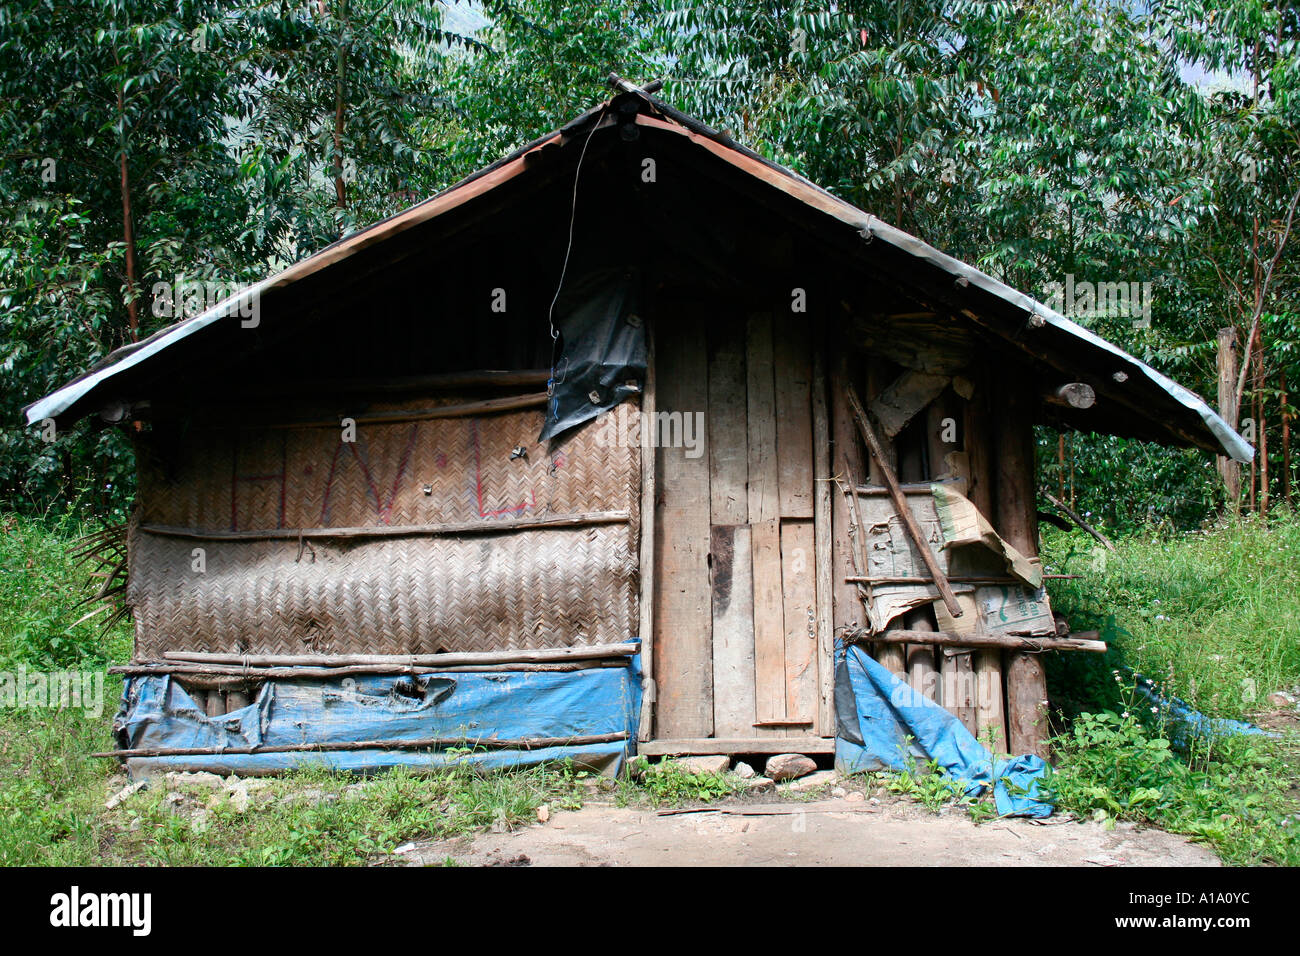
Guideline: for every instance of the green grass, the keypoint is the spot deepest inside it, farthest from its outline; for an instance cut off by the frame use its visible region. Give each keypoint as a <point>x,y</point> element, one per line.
<point>1213,615</point>
<point>52,792</point>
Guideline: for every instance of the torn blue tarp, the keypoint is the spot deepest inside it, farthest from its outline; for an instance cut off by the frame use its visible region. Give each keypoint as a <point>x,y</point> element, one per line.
<point>884,724</point>
<point>471,709</point>
<point>1185,723</point>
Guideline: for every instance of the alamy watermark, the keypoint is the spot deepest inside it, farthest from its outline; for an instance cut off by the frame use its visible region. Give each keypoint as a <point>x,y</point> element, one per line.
<point>185,298</point>
<point>625,427</point>
<point>1112,300</point>
<point>53,690</point>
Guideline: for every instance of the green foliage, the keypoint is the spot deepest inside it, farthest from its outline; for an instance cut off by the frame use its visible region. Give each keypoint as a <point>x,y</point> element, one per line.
<point>1214,614</point>
<point>667,784</point>
<point>1115,766</point>
<point>40,622</point>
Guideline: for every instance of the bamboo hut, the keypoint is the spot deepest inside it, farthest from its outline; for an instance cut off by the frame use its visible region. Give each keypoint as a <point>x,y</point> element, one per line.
<point>611,447</point>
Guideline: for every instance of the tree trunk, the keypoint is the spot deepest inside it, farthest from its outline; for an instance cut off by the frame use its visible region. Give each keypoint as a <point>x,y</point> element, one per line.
<point>1229,470</point>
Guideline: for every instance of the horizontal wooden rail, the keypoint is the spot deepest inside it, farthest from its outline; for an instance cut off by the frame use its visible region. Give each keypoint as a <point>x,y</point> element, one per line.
<point>449,529</point>
<point>1017,642</point>
<point>426,743</point>
<point>524,656</point>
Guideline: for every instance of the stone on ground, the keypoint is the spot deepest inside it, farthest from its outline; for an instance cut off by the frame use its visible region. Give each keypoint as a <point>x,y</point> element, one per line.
<point>789,766</point>
<point>720,763</point>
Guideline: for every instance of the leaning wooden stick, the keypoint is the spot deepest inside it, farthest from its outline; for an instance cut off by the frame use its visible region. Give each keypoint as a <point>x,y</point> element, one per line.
<point>900,504</point>
<point>1074,516</point>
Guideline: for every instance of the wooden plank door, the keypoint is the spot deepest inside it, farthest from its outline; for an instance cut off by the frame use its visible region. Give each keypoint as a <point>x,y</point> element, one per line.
<point>736,615</point>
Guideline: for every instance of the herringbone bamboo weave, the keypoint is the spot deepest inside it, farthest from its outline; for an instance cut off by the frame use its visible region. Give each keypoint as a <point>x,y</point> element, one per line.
<point>541,587</point>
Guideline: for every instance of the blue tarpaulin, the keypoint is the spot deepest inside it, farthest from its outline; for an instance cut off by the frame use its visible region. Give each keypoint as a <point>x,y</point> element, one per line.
<point>156,712</point>
<point>1184,722</point>
<point>884,724</point>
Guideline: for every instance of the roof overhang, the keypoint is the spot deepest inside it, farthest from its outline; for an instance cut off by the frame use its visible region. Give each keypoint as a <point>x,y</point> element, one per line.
<point>1178,414</point>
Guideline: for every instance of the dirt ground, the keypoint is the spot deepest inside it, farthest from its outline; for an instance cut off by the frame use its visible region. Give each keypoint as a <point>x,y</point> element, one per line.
<point>826,832</point>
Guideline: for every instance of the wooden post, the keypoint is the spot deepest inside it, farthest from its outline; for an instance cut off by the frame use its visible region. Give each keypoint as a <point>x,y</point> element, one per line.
<point>847,612</point>
<point>646,567</point>
<point>956,672</point>
<point>990,720</point>
<point>1017,522</point>
<point>823,540</point>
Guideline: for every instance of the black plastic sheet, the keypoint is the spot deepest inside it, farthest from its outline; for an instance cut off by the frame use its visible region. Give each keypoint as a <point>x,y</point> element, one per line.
<point>601,361</point>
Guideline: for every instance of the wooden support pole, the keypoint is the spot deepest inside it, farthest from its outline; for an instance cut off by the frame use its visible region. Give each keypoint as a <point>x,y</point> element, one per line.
<point>646,567</point>
<point>822,539</point>
<point>1017,522</point>
<point>847,611</point>
<point>990,718</point>
<point>900,504</point>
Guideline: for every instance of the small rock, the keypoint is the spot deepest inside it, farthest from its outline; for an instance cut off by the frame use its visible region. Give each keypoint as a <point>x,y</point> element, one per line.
<point>239,798</point>
<point>543,813</point>
<point>404,848</point>
<point>789,766</point>
<point>839,792</point>
<point>199,820</point>
<point>875,801</point>
<point>814,781</point>
<point>720,763</point>
<point>759,785</point>
<point>855,796</point>
<point>201,779</point>
<point>744,771</point>
<point>174,797</point>
<point>112,802</point>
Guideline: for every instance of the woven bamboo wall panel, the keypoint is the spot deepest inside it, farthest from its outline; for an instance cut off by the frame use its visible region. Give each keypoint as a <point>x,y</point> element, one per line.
<point>549,587</point>
<point>526,588</point>
<point>276,478</point>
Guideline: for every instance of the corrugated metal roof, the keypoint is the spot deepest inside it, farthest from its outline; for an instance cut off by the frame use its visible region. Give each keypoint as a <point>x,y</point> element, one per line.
<point>80,390</point>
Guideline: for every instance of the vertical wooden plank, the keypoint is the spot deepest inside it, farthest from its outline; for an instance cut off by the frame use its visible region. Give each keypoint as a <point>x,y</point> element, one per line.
<point>646,567</point>
<point>799,596</point>
<point>794,444</point>
<point>990,717</point>
<point>893,657</point>
<point>823,543</point>
<point>764,501</point>
<point>769,623</point>
<point>727,431</point>
<point>956,672</point>
<point>733,631</point>
<point>1017,522</point>
<point>922,672</point>
<point>683,617</point>
<point>847,611</point>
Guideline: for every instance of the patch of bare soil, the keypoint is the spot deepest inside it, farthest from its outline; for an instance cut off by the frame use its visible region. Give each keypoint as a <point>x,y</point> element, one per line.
<point>823,832</point>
